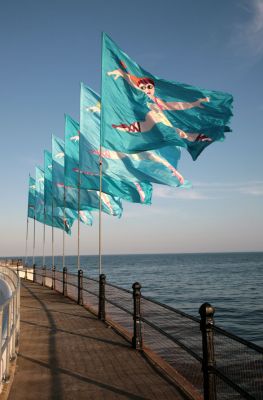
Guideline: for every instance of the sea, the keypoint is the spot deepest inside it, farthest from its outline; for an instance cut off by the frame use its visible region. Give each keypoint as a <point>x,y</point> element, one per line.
<point>230,282</point>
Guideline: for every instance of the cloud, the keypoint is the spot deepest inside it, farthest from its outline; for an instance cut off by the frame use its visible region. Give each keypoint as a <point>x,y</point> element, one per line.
<point>208,191</point>
<point>252,191</point>
<point>177,193</point>
<point>248,35</point>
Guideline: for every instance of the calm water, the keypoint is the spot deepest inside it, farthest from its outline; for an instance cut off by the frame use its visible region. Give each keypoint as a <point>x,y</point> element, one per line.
<point>231,282</point>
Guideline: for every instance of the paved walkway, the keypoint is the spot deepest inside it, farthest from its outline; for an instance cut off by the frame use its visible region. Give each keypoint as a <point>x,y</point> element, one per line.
<point>66,353</point>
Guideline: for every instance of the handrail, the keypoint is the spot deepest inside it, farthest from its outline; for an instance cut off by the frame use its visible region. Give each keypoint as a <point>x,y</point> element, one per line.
<point>9,322</point>
<point>211,359</point>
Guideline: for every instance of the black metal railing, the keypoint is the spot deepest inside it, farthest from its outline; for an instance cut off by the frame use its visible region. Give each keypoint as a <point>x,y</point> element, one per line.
<point>205,361</point>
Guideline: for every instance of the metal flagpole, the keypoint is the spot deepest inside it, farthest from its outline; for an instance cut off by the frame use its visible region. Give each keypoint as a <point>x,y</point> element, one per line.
<point>78,263</point>
<point>53,263</point>
<point>100,216</point>
<point>34,239</point>
<point>78,227</point>
<point>100,213</point>
<point>28,205</point>
<point>26,241</point>
<point>44,236</point>
<point>64,222</point>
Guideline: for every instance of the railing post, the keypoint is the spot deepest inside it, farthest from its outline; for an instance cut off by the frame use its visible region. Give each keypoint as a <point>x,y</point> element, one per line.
<point>206,312</point>
<point>101,313</point>
<point>34,273</point>
<point>53,278</point>
<point>44,275</point>
<point>65,281</point>
<point>80,287</point>
<point>26,273</point>
<point>137,334</point>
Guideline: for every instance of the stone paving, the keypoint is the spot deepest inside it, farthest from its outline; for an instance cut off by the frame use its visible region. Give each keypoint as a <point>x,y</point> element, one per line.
<point>66,353</point>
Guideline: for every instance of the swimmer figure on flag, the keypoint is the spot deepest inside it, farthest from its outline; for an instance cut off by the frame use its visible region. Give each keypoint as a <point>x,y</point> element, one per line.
<point>142,112</point>
<point>156,106</point>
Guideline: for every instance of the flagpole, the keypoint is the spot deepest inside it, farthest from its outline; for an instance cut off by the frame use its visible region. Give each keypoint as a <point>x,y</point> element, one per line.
<point>53,263</point>
<point>78,227</point>
<point>64,220</point>
<point>27,225</point>
<point>100,209</point>
<point>44,236</point>
<point>78,262</point>
<point>34,239</point>
<point>100,216</point>
<point>26,240</point>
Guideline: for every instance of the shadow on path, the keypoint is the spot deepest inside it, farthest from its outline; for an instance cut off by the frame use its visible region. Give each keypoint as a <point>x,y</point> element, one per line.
<point>87,379</point>
<point>56,386</point>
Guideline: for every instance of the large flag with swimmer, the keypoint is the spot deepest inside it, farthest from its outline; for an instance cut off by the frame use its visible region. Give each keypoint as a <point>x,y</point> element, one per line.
<point>130,189</point>
<point>89,199</point>
<point>156,166</point>
<point>143,112</point>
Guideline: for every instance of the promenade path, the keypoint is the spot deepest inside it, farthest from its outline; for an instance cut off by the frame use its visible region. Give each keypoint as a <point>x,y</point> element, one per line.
<point>66,353</point>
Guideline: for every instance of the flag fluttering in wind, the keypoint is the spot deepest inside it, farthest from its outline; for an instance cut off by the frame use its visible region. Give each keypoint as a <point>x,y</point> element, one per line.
<point>156,166</point>
<point>31,197</point>
<point>128,188</point>
<point>63,196</point>
<point>44,213</point>
<point>142,112</point>
<point>88,199</point>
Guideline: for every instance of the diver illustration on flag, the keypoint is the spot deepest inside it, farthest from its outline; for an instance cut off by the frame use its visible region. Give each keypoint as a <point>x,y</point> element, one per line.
<point>142,112</point>
<point>156,106</point>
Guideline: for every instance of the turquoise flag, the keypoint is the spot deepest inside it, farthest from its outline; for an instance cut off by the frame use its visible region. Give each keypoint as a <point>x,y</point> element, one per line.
<point>143,112</point>
<point>58,192</point>
<point>43,213</point>
<point>48,196</point>
<point>31,197</point>
<point>128,187</point>
<point>89,199</point>
<point>64,196</point>
<point>85,216</point>
<point>156,166</point>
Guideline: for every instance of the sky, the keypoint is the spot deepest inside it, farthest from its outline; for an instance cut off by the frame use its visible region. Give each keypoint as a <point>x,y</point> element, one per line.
<point>49,47</point>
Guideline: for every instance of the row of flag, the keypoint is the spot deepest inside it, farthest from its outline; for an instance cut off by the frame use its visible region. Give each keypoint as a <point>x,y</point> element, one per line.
<point>125,140</point>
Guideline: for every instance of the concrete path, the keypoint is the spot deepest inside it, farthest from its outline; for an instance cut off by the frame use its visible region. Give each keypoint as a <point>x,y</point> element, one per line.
<point>66,353</point>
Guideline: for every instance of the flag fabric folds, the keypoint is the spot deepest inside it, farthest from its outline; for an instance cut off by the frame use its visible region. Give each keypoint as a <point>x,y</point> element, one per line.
<point>88,199</point>
<point>156,166</point>
<point>143,112</point>
<point>65,197</point>
<point>46,214</point>
<point>128,187</point>
<point>31,197</point>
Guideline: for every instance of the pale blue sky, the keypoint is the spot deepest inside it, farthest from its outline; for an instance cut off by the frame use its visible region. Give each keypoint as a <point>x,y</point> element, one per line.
<point>49,47</point>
